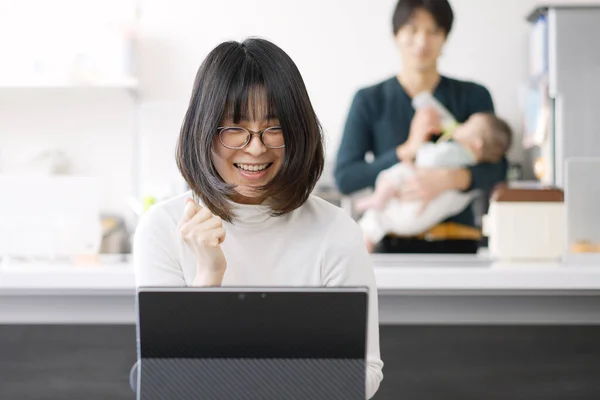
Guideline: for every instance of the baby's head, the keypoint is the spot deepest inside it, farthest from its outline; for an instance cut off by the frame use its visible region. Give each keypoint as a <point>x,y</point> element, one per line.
<point>488,136</point>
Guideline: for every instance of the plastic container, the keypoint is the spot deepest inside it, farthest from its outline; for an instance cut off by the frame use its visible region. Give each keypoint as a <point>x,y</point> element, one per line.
<point>426,99</point>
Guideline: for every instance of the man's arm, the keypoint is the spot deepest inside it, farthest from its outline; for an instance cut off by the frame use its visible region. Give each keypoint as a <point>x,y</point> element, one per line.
<point>352,172</point>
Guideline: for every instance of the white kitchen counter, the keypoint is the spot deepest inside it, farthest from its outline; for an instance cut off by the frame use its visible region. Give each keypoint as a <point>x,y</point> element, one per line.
<point>392,273</point>
<point>466,272</point>
<point>412,289</point>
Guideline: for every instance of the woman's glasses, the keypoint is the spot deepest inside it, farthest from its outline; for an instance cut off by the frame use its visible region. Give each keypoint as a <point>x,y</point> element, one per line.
<point>236,138</point>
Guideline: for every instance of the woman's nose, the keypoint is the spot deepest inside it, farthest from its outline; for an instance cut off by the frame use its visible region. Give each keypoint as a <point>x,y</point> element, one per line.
<point>256,147</point>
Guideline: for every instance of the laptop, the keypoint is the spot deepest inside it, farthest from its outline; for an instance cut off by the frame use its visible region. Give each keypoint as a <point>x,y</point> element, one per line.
<point>252,343</point>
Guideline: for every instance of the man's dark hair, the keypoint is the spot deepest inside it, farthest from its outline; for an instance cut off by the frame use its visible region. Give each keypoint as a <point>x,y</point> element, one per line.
<point>439,9</point>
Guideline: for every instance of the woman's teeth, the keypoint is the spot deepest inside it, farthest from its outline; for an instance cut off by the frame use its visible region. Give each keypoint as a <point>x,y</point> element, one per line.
<point>252,167</point>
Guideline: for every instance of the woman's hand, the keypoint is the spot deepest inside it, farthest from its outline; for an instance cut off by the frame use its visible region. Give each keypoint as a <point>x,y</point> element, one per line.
<point>425,123</point>
<point>203,232</point>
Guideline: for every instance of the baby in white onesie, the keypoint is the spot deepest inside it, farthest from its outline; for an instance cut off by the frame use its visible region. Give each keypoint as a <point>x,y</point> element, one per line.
<point>482,138</point>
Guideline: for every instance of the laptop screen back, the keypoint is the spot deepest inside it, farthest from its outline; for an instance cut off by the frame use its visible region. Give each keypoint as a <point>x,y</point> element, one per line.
<point>216,343</point>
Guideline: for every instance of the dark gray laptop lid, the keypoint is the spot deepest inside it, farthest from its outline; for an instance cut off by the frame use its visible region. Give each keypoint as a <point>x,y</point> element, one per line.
<point>241,343</point>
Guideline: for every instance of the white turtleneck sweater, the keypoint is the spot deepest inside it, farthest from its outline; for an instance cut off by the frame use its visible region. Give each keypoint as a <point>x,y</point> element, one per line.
<point>317,244</point>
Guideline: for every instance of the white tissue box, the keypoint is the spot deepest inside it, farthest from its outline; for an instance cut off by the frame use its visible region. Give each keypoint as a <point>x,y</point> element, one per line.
<point>526,224</point>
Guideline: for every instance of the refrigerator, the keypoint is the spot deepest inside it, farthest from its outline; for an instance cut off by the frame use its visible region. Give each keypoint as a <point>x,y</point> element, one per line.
<point>562,106</point>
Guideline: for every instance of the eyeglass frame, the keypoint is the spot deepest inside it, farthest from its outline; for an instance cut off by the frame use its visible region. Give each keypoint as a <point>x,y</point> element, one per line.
<point>251,134</point>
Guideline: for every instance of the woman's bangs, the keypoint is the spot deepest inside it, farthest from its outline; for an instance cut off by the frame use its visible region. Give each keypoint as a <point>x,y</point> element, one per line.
<point>248,98</point>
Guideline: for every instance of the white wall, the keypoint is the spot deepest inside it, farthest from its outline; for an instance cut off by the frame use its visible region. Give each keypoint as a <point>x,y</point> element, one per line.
<point>338,45</point>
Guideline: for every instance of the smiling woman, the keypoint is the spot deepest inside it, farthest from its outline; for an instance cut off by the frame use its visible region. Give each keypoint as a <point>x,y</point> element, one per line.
<point>251,150</point>
<point>250,109</point>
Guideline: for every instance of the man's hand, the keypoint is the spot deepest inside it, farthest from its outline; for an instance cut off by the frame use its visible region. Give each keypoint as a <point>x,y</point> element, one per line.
<point>425,123</point>
<point>428,183</point>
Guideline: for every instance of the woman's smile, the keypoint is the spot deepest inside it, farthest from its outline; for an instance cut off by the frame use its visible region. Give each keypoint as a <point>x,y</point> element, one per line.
<point>253,171</point>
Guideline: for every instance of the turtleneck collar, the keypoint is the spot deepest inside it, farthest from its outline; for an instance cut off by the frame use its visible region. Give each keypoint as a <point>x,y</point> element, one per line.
<point>250,214</point>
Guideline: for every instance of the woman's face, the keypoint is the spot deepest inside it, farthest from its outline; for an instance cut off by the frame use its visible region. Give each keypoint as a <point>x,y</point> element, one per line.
<point>253,166</point>
<point>420,42</point>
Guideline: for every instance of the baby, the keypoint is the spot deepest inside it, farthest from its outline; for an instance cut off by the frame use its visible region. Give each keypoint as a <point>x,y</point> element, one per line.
<point>482,138</point>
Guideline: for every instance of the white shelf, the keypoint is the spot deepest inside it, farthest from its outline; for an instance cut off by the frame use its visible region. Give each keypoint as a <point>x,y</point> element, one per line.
<point>121,83</point>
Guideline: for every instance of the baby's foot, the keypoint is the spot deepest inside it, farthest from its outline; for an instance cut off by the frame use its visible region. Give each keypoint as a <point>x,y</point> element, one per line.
<point>368,203</point>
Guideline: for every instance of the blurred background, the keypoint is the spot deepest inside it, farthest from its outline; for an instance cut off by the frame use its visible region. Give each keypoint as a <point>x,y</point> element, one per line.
<point>99,88</point>
<point>92,96</point>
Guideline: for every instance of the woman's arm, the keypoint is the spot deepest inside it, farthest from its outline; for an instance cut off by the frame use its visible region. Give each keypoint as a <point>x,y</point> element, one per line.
<point>154,251</point>
<point>352,172</point>
<point>347,263</point>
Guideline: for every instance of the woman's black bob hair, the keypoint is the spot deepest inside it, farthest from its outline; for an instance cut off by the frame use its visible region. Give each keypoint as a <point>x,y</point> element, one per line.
<point>228,79</point>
